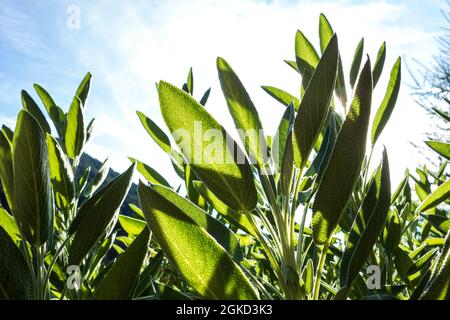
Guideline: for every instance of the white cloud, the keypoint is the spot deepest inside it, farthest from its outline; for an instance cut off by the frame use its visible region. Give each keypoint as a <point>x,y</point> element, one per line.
<point>132,50</point>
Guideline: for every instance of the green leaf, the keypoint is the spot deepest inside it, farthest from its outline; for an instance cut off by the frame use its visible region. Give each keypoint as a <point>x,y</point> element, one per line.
<point>205,97</point>
<point>315,104</point>
<point>326,34</point>
<point>121,279</point>
<point>96,213</point>
<point>82,182</point>
<point>356,63</point>
<point>83,89</point>
<point>287,167</point>
<point>367,225</point>
<point>190,82</point>
<point>145,279</point>
<point>61,174</point>
<point>403,263</point>
<point>231,181</point>
<point>440,147</point>
<point>401,186</point>
<point>442,224</point>
<point>379,64</point>
<point>388,104</point>
<point>90,129</point>
<point>6,169</point>
<point>282,96</point>
<point>149,173</point>
<point>224,236</point>
<point>343,169</point>
<point>234,217</point>
<point>33,201</point>
<point>75,137</point>
<point>441,114</point>
<point>243,112</point>
<point>293,64</point>
<point>280,139</point>
<point>442,193</point>
<point>309,276</point>
<point>392,232</point>
<point>8,223</point>
<point>155,132</point>
<point>55,113</point>
<point>99,178</point>
<point>31,106</point>
<point>306,57</point>
<point>131,225</point>
<point>205,265</point>
<point>438,286</point>
<point>192,193</point>
<point>9,134</point>
<point>15,276</point>
<point>322,158</point>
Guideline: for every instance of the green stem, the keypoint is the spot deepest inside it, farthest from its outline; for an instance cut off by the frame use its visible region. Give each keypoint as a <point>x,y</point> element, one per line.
<point>300,239</point>
<point>50,268</point>
<point>323,255</point>
<point>39,272</point>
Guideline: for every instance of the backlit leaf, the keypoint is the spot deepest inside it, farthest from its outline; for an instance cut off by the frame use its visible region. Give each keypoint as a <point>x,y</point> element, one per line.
<point>379,64</point>
<point>61,174</point>
<point>315,104</point>
<point>243,112</point>
<point>205,265</point>
<point>387,106</point>
<point>228,176</point>
<point>31,106</point>
<point>282,96</point>
<point>440,147</point>
<point>368,224</point>
<point>75,137</point>
<point>356,63</point>
<point>442,193</point>
<point>155,132</point>
<point>344,166</point>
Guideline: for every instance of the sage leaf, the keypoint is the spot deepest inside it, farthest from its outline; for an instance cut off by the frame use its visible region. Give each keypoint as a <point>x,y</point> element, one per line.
<point>204,264</point>
<point>96,213</point>
<point>367,225</point>
<point>231,181</point>
<point>344,166</point>
<point>243,112</point>
<point>15,276</point>
<point>121,279</point>
<point>75,136</point>
<point>387,106</point>
<point>33,201</point>
<point>315,104</point>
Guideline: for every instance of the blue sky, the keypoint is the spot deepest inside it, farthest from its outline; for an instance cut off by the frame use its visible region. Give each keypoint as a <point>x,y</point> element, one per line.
<point>128,46</point>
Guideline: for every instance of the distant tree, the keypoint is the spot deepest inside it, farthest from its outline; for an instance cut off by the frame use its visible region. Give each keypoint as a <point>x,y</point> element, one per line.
<point>431,89</point>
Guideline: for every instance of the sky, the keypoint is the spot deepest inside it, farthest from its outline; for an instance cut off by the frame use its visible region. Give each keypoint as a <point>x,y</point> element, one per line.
<point>128,46</point>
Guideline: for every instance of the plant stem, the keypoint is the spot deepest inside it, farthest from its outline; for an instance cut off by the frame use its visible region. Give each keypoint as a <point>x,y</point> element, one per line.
<point>300,240</point>
<point>39,273</point>
<point>323,255</point>
<point>50,268</point>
